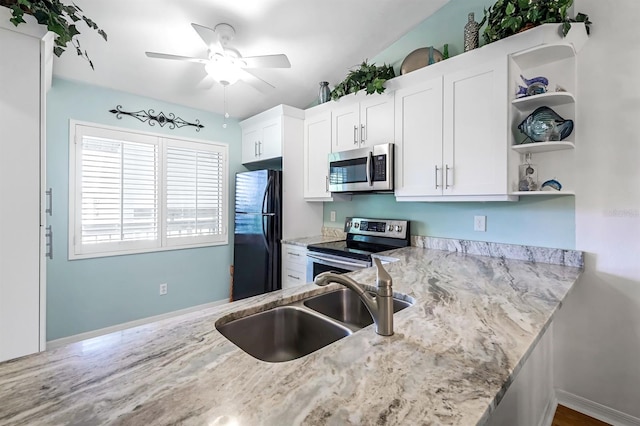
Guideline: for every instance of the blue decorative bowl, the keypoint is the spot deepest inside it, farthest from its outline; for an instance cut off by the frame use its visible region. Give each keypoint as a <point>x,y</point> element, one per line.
<point>544,124</point>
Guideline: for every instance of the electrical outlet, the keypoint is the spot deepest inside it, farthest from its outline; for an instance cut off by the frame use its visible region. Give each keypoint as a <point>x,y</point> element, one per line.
<point>333,216</point>
<point>480,223</point>
<point>164,289</point>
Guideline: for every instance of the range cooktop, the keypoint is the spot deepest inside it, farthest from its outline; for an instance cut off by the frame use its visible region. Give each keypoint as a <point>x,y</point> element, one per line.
<point>367,236</point>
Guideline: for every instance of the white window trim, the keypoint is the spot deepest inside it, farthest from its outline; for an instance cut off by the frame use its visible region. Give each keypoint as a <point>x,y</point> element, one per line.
<point>143,246</point>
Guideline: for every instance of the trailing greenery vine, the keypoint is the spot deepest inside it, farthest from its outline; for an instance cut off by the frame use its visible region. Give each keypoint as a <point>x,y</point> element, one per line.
<point>508,17</point>
<point>59,18</point>
<point>368,77</point>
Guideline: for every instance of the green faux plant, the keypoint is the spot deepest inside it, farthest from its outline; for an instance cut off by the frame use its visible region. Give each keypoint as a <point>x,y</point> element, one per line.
<point>508,17</point>
<point>59,18</point>
<point>368,77</point>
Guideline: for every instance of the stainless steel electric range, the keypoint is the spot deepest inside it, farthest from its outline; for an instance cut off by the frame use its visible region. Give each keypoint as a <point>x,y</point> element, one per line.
<point>364,237</point>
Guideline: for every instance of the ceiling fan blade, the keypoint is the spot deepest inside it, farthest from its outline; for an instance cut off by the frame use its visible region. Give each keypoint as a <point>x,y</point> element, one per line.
<point>267,61</point>
<point>206,83</point>
<point>209,37</point>
<point>255,81</point>
<point>176,57</point>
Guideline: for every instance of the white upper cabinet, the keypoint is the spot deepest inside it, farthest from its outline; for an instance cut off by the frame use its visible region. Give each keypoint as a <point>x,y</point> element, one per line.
<point>475,130</point>
<point>361,121</point>
<point>419,139</point>
<point>261,140</point>
<point>451,135</point>
<point>317,146</point>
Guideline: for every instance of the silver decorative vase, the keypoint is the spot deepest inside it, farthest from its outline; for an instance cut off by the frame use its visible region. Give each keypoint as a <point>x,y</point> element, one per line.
<point>471,30</point>
<point>324,94</point>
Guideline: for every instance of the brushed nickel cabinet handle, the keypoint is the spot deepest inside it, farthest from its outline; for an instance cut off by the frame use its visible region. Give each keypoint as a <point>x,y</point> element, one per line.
<point>49,242</point>
<point>49,209</point>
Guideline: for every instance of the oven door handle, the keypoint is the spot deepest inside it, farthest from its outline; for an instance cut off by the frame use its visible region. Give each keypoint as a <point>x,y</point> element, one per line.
<point>340,262</point>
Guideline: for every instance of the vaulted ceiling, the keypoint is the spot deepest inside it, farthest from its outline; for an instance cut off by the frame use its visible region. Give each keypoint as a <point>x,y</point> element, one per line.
<point>322,39</point>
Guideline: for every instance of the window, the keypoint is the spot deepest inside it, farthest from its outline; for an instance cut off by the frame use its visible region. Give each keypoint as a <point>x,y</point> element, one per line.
<point>137,192</point>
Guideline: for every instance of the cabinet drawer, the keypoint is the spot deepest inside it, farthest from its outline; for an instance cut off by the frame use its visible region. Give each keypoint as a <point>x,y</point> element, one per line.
<point>294,255</point>
<point>292,277</point>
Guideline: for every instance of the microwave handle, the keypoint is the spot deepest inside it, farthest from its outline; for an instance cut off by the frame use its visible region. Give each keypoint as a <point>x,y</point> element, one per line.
<point>370,168</point>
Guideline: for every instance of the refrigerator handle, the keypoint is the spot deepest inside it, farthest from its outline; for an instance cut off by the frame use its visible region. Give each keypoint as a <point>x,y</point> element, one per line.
<point>264,234</point>
<point>266,193</point>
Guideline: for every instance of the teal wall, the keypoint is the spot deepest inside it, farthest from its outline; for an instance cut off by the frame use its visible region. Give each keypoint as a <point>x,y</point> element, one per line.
<point>536,221</point>
<point>444,26</point>
<point>90,294</point>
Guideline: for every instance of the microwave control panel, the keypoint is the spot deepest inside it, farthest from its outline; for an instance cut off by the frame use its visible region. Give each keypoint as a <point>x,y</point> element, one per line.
<point>379,168</point>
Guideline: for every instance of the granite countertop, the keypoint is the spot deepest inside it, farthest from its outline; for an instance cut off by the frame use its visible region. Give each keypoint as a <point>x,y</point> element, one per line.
<point>474,321</point>
<point>328,235</point>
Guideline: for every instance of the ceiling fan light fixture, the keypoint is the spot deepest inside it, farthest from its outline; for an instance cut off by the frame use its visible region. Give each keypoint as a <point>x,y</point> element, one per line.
<point>223,70</point>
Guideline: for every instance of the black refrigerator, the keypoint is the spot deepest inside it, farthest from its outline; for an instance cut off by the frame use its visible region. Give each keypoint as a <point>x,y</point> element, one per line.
<point>257,233</point>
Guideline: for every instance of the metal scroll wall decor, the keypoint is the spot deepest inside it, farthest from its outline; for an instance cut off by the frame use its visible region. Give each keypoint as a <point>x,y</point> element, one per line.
<point>152,118</point>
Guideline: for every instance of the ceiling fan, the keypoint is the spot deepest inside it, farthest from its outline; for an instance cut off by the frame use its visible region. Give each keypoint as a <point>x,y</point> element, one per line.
<point>225,64</point>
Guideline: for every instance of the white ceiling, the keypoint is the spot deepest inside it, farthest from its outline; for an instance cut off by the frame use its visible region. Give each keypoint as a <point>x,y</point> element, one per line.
<point>323,40</point>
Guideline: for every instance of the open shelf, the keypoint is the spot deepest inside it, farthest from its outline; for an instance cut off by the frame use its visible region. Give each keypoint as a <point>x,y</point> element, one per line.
<point>538,193</point>
<point>543,146</point>
<point>544,54</point>
<point>549,99</point>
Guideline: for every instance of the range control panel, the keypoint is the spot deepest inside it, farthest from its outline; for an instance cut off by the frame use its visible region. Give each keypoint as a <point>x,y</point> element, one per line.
<point>389,228</point>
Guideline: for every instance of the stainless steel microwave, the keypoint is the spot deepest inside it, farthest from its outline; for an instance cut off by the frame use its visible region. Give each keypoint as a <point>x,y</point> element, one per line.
<point>362,170</point>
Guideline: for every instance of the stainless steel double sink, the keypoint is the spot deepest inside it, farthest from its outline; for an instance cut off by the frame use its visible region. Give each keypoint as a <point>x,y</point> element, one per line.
<point>300,328</point>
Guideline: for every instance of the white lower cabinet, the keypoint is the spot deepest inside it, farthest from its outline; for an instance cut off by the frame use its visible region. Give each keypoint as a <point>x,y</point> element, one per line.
<point>294,265</point>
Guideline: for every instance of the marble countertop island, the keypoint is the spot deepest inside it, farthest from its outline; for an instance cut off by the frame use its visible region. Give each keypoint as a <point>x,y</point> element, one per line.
<point>474,321</point>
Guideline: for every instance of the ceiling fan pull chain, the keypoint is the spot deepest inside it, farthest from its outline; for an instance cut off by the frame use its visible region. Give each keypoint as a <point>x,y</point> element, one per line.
<point>226,113</point>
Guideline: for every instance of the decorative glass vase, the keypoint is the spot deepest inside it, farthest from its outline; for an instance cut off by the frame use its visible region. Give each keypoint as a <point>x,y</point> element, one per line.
<point>324,94</point>
<point>471,30</point>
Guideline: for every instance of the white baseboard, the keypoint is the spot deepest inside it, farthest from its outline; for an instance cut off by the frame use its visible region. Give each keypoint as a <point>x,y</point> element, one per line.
<point>52,344</point>
<point>595,410</point>
<point>549,412</point>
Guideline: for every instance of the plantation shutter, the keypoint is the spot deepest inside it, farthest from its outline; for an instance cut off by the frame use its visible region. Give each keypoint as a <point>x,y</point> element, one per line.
<point>118,191</point>
<point>195,189</point>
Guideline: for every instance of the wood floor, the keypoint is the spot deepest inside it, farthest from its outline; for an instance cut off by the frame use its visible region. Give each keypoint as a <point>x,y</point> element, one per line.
<point>567,417</point>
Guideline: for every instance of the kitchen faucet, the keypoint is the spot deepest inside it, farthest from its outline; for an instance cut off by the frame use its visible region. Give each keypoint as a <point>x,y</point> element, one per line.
<point>380,307</point>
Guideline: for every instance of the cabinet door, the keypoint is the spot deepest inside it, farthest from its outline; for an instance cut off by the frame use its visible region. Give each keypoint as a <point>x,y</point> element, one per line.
<point>317,146</point>
<point>270,143</point>
<point>376,120</point>
<point>475,130</point>
<point>346,127</point>
<point>418,130</point>
<point>250,138</point>
<point>20,144</point>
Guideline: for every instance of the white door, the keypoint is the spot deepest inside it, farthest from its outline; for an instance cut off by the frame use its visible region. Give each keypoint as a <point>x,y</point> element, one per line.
<point>250,145</point>
<point>346,127</point>
<point>475,130</point>
<point>317,146</point>
<point>270,145</point>
<point>20,253</point>
<point>376,120</point>
<point>418,129</point>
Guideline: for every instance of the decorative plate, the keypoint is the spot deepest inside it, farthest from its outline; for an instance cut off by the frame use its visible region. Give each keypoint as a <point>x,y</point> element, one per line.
<point>420,58</point>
